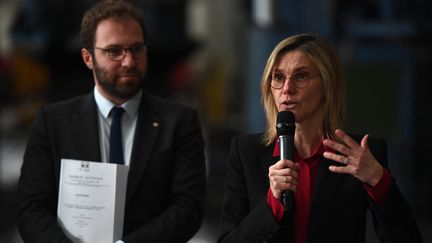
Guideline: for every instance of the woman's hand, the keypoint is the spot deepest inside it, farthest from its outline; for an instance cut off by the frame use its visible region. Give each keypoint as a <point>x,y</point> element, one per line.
<point>283,176</point>
<point>356,158</point>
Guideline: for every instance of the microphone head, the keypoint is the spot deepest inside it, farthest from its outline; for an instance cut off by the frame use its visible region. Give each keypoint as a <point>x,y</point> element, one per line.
<point>285,123</point>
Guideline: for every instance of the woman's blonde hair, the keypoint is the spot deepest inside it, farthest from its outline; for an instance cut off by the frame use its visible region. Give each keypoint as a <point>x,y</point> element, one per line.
<point>324,56</point>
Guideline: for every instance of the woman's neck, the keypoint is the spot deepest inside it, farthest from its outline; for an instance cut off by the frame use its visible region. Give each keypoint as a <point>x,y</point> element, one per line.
<point>307,139</point>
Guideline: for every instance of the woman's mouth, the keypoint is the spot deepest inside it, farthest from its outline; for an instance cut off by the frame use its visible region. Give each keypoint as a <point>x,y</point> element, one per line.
<point>289,105</point>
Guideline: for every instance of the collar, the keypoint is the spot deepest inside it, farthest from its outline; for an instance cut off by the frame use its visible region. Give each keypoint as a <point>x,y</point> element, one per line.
<point>319,151</point>
<point>104,105</point>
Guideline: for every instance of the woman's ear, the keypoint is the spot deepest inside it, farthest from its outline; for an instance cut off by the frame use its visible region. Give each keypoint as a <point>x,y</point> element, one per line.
<point>87,58</point>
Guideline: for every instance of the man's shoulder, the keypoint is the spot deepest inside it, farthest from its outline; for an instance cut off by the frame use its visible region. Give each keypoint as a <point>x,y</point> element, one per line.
<point>71,103</point>
<point>166,105</point>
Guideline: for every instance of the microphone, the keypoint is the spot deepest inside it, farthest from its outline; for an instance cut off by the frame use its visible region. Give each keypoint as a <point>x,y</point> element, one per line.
<point>285,127</point>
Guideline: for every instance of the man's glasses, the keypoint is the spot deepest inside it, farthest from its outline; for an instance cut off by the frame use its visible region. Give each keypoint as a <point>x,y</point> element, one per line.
<point>299,79</point>
<point>118,53</point>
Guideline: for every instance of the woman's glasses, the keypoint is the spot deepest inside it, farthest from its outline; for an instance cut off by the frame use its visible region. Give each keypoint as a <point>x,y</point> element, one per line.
<point>299,79</point>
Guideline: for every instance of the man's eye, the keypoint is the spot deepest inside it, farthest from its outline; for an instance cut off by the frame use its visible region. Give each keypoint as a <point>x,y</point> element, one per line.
<point>136,49</point>
<point>115,51</point>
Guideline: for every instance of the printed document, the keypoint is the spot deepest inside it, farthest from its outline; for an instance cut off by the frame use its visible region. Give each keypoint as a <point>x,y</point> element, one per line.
<point>91,200</point>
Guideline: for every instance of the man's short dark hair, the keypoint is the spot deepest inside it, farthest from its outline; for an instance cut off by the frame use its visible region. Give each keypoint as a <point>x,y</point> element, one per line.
<point>104,10</point>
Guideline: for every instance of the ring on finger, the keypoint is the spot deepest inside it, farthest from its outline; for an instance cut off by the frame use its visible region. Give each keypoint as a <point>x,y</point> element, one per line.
<point>345,161</point>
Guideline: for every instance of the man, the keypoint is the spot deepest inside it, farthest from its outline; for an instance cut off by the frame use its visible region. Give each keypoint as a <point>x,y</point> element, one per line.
<point>162,141</point>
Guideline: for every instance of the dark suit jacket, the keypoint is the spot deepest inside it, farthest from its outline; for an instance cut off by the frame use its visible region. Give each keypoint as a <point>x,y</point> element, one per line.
<point>338,206</point>
<point>165,195</point>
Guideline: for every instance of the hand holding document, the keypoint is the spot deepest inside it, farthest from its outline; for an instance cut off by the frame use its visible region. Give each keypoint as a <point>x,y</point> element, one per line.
<point>91,200</point>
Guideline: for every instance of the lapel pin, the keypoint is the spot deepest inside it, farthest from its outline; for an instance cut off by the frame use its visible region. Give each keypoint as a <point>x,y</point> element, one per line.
<point>155,124</point>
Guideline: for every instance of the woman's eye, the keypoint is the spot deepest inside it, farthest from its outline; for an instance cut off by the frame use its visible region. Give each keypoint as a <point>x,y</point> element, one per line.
<point>301,76</point>
<point>279,77</point>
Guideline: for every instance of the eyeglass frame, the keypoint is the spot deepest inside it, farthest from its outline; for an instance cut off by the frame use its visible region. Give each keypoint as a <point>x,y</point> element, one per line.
<point>306,79</point>
<point>109,51</point>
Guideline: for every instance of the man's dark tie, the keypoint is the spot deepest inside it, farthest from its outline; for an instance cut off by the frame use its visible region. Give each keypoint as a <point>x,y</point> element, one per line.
<point>116,147</point>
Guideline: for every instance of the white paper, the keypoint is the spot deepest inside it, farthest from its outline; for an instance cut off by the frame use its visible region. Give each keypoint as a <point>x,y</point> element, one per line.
<point>91,200</point>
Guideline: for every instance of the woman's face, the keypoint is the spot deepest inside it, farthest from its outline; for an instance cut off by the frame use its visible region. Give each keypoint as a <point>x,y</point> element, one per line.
<point>300,83</point>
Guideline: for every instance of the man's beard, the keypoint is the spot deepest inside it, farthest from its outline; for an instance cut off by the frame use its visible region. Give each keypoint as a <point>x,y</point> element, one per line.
<point>108,82</point>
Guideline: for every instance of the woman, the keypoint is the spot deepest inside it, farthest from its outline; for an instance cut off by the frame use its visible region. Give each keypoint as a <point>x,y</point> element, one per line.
<point>335,177</point>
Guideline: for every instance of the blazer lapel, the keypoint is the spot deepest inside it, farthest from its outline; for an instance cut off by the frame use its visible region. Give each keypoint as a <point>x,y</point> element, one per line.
<point>268,160</point>
<point>327,185</point>
<point>147,128</point>
<point>86,130</point>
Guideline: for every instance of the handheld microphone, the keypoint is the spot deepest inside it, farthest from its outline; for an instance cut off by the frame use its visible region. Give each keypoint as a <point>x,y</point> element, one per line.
<point>285,127</point>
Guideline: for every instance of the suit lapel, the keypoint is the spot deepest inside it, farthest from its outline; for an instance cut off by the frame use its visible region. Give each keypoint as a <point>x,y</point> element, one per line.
<point>147,129</point>
<point>327,185</point>
<point>268,160</point>
<point>86,130</point>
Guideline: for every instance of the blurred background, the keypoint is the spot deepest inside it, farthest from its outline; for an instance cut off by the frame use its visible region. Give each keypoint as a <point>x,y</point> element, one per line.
<point>210,55</point>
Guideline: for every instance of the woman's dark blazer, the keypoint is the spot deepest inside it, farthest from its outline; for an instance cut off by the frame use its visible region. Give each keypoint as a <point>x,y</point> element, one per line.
<point>338,207</point>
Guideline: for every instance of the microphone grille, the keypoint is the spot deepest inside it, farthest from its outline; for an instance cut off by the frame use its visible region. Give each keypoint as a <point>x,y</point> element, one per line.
<point>285,123</point>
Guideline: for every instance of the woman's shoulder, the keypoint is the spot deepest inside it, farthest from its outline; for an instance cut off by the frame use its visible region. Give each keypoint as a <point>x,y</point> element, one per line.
<point>377,145</point>
<point>374,140</point>
<point>248,138</point>
<point>252,142</point>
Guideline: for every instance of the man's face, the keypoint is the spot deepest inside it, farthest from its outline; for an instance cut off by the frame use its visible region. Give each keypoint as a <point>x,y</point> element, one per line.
<point>117,80</point>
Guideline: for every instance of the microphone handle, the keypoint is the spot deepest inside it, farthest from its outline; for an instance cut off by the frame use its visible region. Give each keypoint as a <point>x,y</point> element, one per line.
<point>286,152</point>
